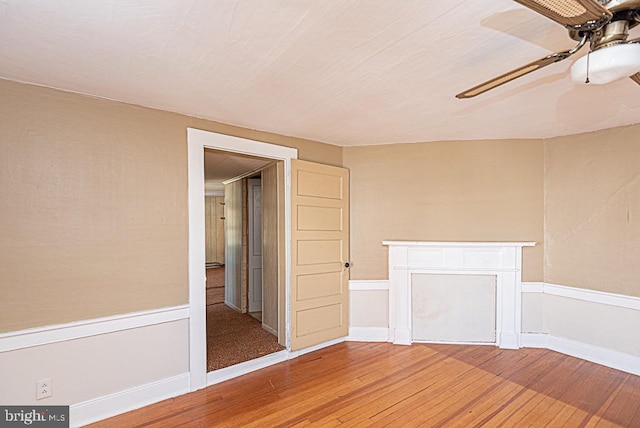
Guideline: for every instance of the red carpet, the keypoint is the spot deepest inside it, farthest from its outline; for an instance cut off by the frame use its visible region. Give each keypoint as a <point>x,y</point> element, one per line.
<point>233,338</point>
<point>215,285</point>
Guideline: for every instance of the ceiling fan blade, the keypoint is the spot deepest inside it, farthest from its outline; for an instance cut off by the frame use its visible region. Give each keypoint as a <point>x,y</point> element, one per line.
<point>636,78</point>
<point>525,69</point>
<point>571,13</point>
<point>513,74</point>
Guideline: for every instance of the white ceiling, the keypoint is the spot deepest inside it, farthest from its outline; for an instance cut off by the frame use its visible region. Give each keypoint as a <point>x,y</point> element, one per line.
<point>222,166</point>
<point>343,72</point>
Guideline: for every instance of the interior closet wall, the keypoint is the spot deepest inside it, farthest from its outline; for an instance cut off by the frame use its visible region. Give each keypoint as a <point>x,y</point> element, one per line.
<point>233,197</point>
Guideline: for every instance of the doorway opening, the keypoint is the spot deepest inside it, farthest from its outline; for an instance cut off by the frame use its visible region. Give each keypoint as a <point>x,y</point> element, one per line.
<point>197,142</point>
<point>242,310</point>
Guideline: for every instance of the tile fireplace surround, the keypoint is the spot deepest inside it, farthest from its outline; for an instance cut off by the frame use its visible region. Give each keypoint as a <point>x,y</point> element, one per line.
<point>501,259</point>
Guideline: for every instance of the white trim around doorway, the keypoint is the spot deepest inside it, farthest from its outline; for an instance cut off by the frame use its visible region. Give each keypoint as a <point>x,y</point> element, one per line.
<point>197,141</point>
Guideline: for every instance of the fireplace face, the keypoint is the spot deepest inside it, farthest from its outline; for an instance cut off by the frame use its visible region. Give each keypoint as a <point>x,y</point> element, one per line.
<point>501,260</point>
<point>453,308</point>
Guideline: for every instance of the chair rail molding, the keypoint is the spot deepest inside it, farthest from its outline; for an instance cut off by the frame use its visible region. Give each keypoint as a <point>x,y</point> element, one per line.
<point>502,259</point>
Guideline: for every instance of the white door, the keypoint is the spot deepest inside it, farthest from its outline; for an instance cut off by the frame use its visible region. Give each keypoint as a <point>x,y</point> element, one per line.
<point>320,252</point>
<point>255,244</point>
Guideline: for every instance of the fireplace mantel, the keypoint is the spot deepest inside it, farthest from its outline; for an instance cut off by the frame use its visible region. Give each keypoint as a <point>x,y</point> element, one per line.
<point>502,259</point>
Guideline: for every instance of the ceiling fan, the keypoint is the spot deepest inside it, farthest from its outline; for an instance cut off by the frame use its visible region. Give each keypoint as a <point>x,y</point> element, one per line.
<point>604,24</point>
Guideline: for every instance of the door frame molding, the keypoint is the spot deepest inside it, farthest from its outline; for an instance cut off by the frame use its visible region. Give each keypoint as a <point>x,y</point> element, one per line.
<point>197,141</point>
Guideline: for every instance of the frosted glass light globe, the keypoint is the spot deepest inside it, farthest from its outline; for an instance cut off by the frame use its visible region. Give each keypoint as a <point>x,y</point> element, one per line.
<point>608,64</point>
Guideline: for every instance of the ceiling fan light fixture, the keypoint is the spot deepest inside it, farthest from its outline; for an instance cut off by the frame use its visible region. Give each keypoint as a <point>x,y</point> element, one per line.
<point>607,64</point>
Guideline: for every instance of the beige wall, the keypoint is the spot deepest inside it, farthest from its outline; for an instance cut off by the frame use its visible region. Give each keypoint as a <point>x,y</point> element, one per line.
<point>94,207</point>
<point>445,191</point>
<point>592,210</point>
<point>94,204</point>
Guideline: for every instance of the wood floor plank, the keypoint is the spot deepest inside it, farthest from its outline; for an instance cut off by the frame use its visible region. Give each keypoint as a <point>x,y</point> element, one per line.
<point>618,411</point>
<point>335,405</point>
<point>486,404</point>
<point>547,388</point>
<point>408,380</point>
<point>561,418</point>
<point>428,395</point>
<point>597,419</point>
<point>481,403</point>
<point>398,376</point>
<point>443,404</point>
<point>382,385</point>
<point>546,409</point>
<point>320,391</point>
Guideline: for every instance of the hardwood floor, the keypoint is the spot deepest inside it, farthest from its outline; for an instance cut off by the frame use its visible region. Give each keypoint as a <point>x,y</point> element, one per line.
<point>379,384</point>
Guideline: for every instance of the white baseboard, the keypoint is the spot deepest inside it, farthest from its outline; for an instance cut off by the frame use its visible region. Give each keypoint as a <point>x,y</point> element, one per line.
<point>232,306</point>
<point>534,340</point>
<point>110,405</point>
<point>270,330</point>
<point>300,352</point>
<point>368,334</point>
<point>240,369</point>
<point>606,357</point>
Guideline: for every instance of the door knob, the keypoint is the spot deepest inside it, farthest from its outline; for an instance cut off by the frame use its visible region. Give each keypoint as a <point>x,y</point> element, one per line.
<point>346,264</point>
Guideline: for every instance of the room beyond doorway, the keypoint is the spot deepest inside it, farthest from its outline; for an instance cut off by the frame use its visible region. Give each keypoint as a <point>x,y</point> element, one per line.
<point>233,335</point>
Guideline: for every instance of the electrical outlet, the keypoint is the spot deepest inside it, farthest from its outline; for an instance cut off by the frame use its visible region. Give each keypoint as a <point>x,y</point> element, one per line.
<point>44,388</point>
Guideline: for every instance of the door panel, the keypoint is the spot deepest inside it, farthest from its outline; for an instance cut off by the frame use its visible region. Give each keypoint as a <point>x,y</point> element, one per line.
<point>314,321</point>
<point>318,184</point>
<point>319,252</point>
<point>319,218</point>
<point>320,245</point>
<point>319,285</point>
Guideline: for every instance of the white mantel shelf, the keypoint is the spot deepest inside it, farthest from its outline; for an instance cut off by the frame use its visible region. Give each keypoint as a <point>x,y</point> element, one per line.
<point>502,259</point>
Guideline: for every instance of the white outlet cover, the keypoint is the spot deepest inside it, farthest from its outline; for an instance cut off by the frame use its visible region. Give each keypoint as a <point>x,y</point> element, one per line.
<point>44,388</point>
